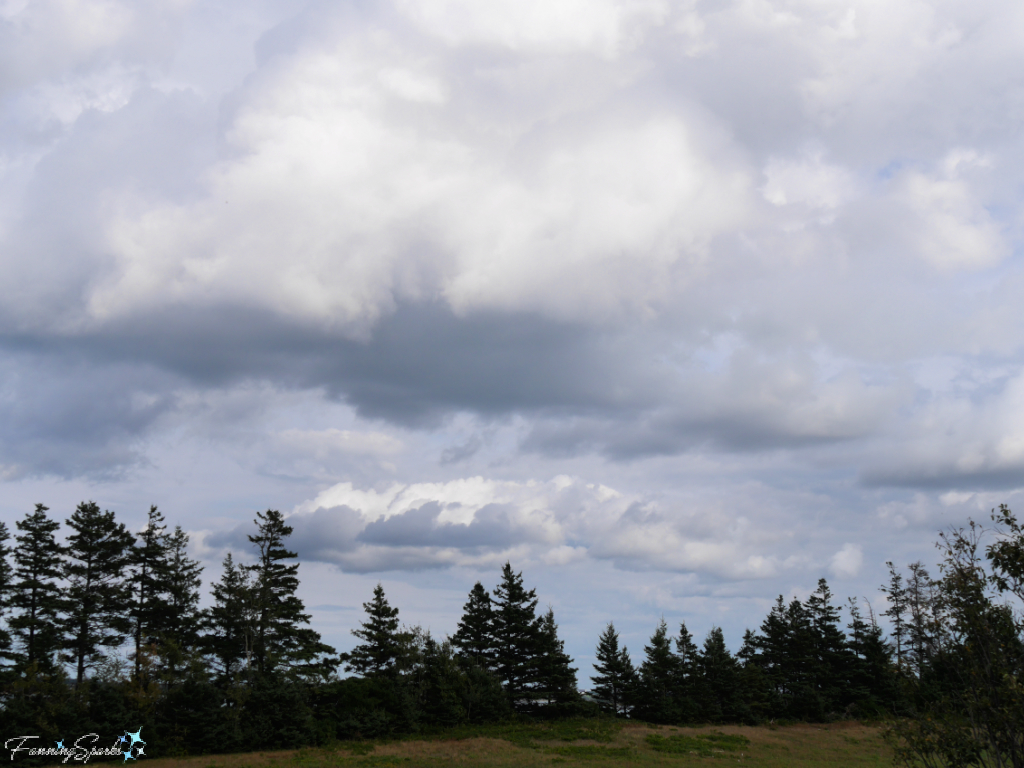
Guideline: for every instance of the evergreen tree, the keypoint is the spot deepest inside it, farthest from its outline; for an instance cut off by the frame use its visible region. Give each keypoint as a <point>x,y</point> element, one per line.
<point>98,553</point>
<point>385,648</point>
<point>655,700</point>
<point>149,606</point>
<point>615,673</point>
<point>516,632</point>
<point>556,679</point>
<point>688,681</point>
<point>720,689</point>
<point>474,637</point>
<point>6,586</point>
<point>37,596</point>
<point>441,684</point>
<point>896,593</point>
<point>923,626</point>
<point>280,641</point>
<point>872,689</point>
<point>179,633</point>
<point>830,662</point>
<point>230,622</point>
<point>753,683</point>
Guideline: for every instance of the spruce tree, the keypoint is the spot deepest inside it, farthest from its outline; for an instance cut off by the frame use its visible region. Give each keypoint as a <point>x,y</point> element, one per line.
<point>615,672</point>
<point>830,670</point>
<point>37,595</point>
<point>281,642</point>
<point>384,649</point>
<point>720,677</point>
<point>6,587</point>
<point>556,678</point>
<point>474,637</point>
<point>896,592</point>
<point>688,680</point>
<point>872,686</point>
<point>149,604</point>
<point>179,631</point>
<point>659,670</point>
<point>516,635</point>
<point>98,553</point>
<point>230,622</point>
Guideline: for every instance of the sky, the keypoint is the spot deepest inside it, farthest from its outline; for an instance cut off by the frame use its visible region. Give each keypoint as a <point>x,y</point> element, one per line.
<point>677,306</point>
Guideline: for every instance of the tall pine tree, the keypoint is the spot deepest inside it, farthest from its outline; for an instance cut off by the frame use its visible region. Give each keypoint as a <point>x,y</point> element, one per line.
<point>98,553</point>
<point>149,605</point>
<point>179,632</point>
<point>474,636</point>
<point>516,636</point>
<point>6,585</point>
<point>37,596</point>
<point>655,697</point>
<point>230,623</point>
<point>556,678</point>
<point>281,642</point>
<point>615,673</point>
<point>384,649</point>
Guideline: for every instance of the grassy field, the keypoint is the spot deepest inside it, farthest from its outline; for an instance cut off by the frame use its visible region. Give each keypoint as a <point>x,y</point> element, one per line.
<point>594,743</point>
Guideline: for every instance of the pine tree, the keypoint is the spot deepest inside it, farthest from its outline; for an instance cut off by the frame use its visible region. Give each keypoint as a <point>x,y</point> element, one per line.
<point>385,647</point>
<point>230,623</point>
<point>37,595</point>
<point>149,606</point>
<point>179,632</point>
<point>516,635</point>
<point>281,641</point>
<point>98,553</point>
<point>720,689</point>
<point>896,592</point>
<point>872,688</point>
<point>688,683</point>
<point>660,669</point>
<point>474,637</point>
<point>556,679</point>
<point>923,627</point>
<point>615,672</point>
<point>6,587</point>
<point>830,670</point>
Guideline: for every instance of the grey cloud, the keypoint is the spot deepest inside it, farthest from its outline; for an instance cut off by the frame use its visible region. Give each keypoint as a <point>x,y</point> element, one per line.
<point>490,528</point>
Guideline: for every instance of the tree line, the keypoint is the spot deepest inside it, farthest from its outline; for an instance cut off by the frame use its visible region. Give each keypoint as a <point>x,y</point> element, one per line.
<point>104,631</point>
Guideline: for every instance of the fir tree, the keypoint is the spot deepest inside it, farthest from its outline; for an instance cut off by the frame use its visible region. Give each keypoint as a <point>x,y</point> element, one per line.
<point>6,586</point>
<point>721,700</point>
<point>923,627</point>
<point>230,622</point>
<point>516,632</point>
<point>385,647</point>
<point>474,637</point>
<point>872,688</point>
<point>281,641</point>
<point>688,683</point>
<point>615,674</point>
<point>660,668</point>
<point>179,632</point>
<point>98,553</point>
<point>149,606</point>
<point>37,596</point>
<point>830,669</point>
<point>896,593</point>
<point>556,679</point>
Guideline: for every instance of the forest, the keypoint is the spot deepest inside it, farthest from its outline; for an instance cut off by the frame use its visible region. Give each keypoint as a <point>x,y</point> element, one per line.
<point>104,631</point>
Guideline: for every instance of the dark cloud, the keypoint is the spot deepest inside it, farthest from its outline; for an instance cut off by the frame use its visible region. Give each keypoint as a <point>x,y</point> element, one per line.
<point>491,527</point>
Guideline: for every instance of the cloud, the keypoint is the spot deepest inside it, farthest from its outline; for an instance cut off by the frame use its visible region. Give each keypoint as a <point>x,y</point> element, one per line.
<point>847,562</point>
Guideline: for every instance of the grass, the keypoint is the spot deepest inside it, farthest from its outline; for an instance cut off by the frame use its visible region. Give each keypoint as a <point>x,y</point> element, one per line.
<point>596,743</point>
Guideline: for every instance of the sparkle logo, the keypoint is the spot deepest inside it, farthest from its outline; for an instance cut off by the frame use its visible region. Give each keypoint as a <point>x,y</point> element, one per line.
<point>132,745</point>
<point>129,746</point>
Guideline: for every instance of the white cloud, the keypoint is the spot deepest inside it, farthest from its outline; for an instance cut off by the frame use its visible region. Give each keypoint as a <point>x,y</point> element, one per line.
<point>847,562</point>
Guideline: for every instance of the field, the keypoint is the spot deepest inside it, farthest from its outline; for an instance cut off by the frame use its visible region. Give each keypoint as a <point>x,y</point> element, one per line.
<point>597,743</point>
